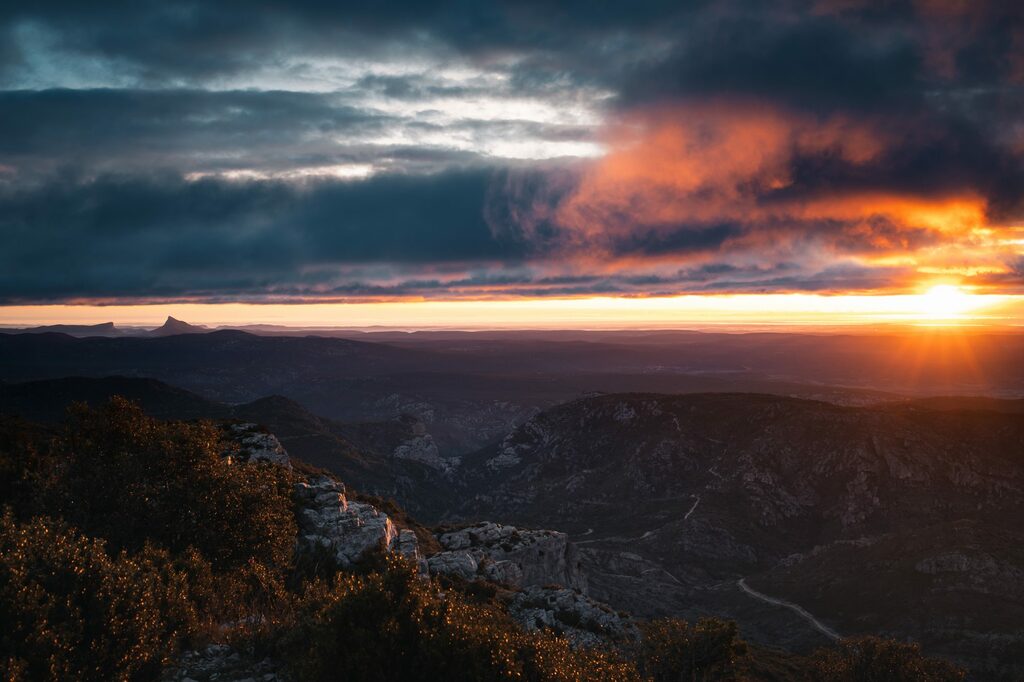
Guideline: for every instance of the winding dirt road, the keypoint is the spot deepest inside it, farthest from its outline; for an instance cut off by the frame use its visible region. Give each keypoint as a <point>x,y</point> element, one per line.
<point>796,608</point>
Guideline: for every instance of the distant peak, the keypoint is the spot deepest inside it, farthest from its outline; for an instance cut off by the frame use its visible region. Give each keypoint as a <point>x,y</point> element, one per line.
<point>175,326</point>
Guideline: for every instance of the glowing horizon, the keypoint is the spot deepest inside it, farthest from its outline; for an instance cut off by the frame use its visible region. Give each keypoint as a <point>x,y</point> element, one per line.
<point>360,170</point>
<point>939,305</point>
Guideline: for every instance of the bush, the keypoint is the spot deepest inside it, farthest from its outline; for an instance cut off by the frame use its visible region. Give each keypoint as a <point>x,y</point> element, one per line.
<point>870,659</point>
<point>158,540</point>
<point>391,625</point>
<point>134,480</point>
<point>26,470</point>
<point>672,649</point>
<point>69,611</point>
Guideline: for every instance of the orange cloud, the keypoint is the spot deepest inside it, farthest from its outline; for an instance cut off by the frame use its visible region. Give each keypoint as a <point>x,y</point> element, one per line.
<point>733,161</point>
<point>704,162</point>
<point>694,167</point>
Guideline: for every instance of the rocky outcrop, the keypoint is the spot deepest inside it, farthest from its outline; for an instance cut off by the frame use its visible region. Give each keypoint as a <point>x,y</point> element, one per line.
<point>222,663</point>
<point>509,555</point>
<point>460,564</point>
<point>348,530</point>
<point>257,445</point>
<point>422,449</point>
<point>582,620</point>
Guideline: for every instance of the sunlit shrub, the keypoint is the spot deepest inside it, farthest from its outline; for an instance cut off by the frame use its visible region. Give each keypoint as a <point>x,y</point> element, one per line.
<point>391,625</point>
<point>131,480</point>
<point>870,659</point>
<point>68,611</point>
<point>672,649</point>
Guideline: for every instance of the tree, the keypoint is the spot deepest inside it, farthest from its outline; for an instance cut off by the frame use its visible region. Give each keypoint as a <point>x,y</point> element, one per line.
<point>131,479</point>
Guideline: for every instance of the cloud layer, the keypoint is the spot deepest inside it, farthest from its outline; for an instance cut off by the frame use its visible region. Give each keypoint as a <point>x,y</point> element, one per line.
<point>331,151</point>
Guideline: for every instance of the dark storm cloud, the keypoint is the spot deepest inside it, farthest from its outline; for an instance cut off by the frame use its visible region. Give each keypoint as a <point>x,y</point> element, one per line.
<point>167,149</point>
<point>174,40</point>
<point>818,63</point>
<point>117,236</point>
<point>925,156</point>
<point>185,130</point>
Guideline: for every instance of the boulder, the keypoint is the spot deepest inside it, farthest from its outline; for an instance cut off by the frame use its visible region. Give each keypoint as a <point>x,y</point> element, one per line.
<point>349,530</point>
<point>585,622</point>
<point>256,445</point>
<point>461,564</point>
<point>518,557</point>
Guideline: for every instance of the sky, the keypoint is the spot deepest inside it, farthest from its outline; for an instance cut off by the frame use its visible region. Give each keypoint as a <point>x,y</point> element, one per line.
<point>464,162</point>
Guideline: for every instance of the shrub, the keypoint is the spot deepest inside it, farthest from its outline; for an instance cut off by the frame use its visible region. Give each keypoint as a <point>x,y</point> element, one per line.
<point>391,625</point>
<point>131,480</point>
<point>672,649</point>
<point>26,470</point>
<point>870,659</point>
<point>69,611</point>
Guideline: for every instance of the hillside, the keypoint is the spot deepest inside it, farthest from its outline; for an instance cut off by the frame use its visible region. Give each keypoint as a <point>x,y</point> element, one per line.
<point>367,454</point>
<point>472,389</point>
<point>676,498</point>
<point>161,550</point>
<point>864,518</point>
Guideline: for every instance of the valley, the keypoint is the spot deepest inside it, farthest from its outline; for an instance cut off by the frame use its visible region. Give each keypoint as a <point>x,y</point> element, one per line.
<point>803,512</point>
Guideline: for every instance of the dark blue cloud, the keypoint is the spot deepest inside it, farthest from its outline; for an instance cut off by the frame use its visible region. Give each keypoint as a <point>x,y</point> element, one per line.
<point>163,237</point>
<point>121,123</point>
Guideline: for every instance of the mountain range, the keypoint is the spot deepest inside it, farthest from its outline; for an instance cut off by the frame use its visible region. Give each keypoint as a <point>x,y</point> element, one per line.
<point>804,513</point>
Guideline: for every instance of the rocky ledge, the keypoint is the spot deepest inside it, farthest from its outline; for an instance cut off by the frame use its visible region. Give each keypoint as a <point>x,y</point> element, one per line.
<point>256,445</point>
<point>509,555</point>
<point>421,448</point>
<point>582,620</point>
<point>349,530</point>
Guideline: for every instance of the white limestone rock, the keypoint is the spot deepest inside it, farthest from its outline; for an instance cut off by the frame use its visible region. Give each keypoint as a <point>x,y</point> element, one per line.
<point>421,448</point>
<point>516,556</point>
<point>350,530</point>
<point>461,564</point>
<point>505,572</point>
<point>257,445</point>
<point>585,622</point>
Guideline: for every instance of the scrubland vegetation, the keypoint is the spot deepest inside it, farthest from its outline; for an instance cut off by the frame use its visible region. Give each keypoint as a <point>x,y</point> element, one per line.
<point>125,540</point>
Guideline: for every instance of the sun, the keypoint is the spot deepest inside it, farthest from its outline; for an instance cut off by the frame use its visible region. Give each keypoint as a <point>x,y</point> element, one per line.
<point>945,301</point>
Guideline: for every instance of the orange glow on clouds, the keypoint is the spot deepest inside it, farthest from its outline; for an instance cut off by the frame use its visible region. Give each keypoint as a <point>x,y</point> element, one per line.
<point>698,165</point>
<point>697,162</point>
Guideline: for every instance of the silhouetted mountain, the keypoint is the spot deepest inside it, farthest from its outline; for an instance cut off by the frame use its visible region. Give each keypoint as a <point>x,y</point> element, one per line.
<point>85,330</point>
<point>955,403</point>
<point>174,326</point>
<point>225,365</point>
<point>48,400</point>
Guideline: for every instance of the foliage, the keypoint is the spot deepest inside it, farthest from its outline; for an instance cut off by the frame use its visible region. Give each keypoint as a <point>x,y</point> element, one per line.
<point>25,469</point>
<point>870,659</point>
<point>672,649</point>
<point>70,611</point>
<point>125,539</point>
<point>135,537</point>
<point>131,480</point>
<point>391,625</point>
